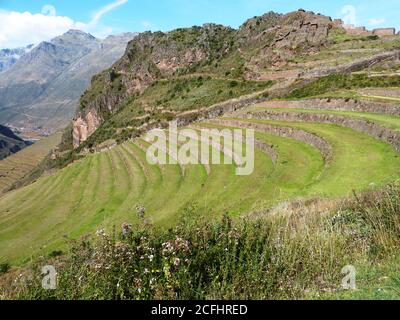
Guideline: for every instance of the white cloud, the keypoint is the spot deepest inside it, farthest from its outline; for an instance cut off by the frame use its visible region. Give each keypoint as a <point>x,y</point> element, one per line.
<point>23,28</point>
<point>97,16</point>
<point>376,21</point>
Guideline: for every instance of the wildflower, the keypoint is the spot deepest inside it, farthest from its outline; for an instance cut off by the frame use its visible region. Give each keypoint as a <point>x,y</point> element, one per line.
<point>126,229</point>
<point>141,210</point>
<point>101,233</point>
<point>177,262</point>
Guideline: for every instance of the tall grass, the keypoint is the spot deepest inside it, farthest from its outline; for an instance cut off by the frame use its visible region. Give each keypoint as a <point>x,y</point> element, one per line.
<point>283,254</point>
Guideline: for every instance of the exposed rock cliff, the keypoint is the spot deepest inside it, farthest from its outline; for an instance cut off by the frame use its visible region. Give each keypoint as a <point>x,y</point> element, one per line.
<point>281,37</point>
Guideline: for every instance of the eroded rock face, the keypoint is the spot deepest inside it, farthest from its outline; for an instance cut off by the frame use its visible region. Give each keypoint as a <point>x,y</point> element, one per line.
<point>303,29</point>
<point>84,126</point>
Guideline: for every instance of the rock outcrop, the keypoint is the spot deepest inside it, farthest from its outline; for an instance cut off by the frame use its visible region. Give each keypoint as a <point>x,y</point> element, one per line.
<point>279,38</point>
<point>84,126</point>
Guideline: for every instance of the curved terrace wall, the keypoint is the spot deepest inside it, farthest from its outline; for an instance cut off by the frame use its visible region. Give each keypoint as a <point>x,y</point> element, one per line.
<point>385,134</point>
<point>300,135</point>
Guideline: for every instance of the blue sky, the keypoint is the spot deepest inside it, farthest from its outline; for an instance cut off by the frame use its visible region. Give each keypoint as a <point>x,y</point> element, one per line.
<point>102,17</point>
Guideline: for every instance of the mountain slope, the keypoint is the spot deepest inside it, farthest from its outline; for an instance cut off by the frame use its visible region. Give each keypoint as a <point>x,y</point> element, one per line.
<point>39,92</point>
<point>9,142</point>
<point>212,50</point>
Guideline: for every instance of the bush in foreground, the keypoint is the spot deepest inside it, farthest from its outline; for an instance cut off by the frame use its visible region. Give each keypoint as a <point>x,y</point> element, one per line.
<point>280,255</point>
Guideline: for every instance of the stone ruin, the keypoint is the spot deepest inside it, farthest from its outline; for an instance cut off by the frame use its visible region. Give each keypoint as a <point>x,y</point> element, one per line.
<point>357,31</point>
<point>363,31</point>
<point>384,32</point>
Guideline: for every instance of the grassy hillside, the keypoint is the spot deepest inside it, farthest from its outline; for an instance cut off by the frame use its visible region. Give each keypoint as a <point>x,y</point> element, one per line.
<point>104,189</point>
<point>296,253</point>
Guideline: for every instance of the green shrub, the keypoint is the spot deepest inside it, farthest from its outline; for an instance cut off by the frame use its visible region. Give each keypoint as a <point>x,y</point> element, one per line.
<point>374,37</point>
<point>4,267</point>
<point>56,253</point>
<point>233,84</point>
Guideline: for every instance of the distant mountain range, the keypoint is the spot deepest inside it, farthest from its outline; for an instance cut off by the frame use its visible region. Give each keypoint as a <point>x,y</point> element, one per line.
<point>9,142</point>
<point>40,88</point>
<point>8,57</point>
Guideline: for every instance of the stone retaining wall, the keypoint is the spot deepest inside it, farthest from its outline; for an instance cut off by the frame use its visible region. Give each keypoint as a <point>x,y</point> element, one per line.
<point>264,147</point>
<point>352,66</point>
<point>287,132</point>
<point>268,149</point>
<point>338,104</point>
<point>377,131</point>
<point>384,32</point>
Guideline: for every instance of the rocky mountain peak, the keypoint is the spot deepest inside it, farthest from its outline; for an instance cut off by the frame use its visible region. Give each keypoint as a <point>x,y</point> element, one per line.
<point>78,34</point>
<point>75,37</point>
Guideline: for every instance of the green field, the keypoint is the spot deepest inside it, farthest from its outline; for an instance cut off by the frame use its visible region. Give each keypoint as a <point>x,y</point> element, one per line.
<point>103,190</point>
